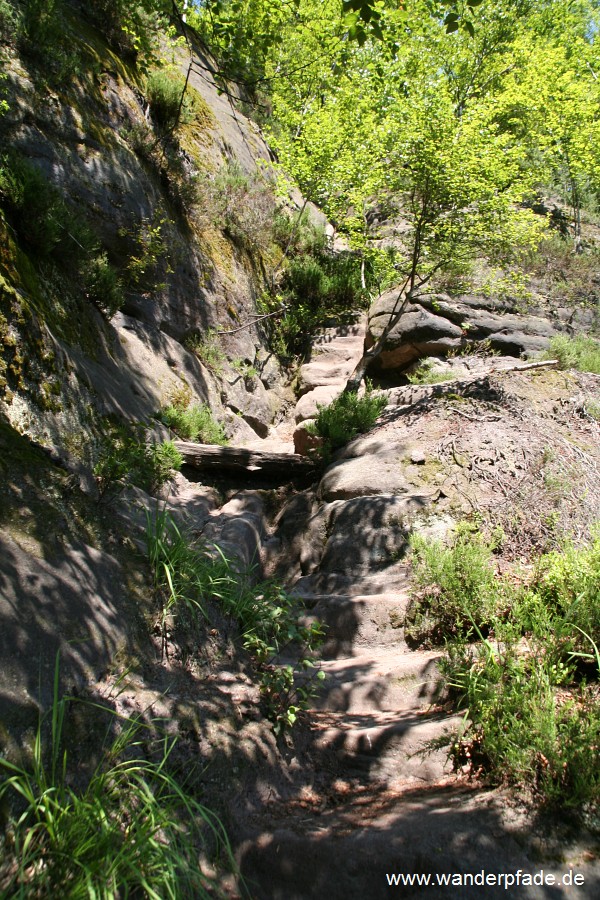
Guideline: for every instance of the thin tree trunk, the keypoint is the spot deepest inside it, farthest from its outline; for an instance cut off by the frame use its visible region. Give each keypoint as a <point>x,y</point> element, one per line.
<point>355,379</point>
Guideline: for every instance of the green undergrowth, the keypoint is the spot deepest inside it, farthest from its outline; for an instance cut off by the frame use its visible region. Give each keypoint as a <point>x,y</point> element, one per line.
<point>522,661</point>
<point>130,829</point>
<point>344,418</point>
<point>192,578</point>
<point>125,456</point>
<point>580,352</point>
<point>194,423</point>
<point>424,374</point>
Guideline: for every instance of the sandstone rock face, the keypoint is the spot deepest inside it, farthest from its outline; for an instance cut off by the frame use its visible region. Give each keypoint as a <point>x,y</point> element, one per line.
<point>201,280</point>
<point>436,325</point>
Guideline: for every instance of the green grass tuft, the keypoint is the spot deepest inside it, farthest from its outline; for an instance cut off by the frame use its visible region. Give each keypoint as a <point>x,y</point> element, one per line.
<point>132,830</point>
<point>581,353</point>
<point>194,423</point>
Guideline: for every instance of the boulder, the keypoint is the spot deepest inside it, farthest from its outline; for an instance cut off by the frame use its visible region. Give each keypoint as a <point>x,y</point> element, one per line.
<point>304,441</point>
<point>436,324</point>
<point>308,405</point>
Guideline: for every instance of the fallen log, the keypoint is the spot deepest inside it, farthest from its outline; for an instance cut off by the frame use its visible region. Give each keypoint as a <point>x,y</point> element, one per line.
<point>209,456</point>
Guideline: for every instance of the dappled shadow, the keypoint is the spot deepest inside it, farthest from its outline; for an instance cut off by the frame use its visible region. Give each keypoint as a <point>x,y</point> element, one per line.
<point>366,535</point>
<point>44,611</point>
<point>347,849</point>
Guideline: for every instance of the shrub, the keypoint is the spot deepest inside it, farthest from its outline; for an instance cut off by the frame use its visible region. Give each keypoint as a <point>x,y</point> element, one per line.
<point>150,256</point>
<point>133,28</point>
<point>194,423</point>
<point>317,287</point>
<point>132,831</point>
<point>582,353</point>
<point>520,731</point>
<point>243,206</point>
<point>346,417</point>
<point>40,26</point>
<point>423,374</point>
<point>297,234</point>
<point>165,95</point>
<point>532,718</point>
<point>207,347</point>
<point>8,21</point>
<point>457,587</point>
<point>104,285</point>
<point>568,585</point>
<point>39,214</point>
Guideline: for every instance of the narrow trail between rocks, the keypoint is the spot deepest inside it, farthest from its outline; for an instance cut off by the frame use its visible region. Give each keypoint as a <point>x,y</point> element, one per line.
<point>377,801</point>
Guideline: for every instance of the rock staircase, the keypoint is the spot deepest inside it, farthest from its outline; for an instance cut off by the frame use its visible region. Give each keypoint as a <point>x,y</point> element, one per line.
<point>373,793</point>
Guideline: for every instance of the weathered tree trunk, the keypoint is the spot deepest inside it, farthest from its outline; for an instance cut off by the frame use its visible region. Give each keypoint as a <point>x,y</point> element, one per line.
<point>209,456</point>
<point>355,379</point>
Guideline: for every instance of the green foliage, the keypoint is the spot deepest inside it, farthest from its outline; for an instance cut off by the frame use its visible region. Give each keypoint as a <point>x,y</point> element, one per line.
<point>533,718</point>
<point>423,374</point>
<point>457,587</point>
<point>344,418</point>
<point>134,29</point>
<point>316,288</point>
<point>149,257</point>
<point>132,830</point>
<point>165,92</point>
<point>567,583</point>
<point>188,575</point>
<point>207,347</point>
<point>242,205</point>
<point>521,730</point>
<point>39,213</point>
<point>40,26</point>
<point>125,457</point>
<point>8,21</point>
<point>194,423</point>
<point>104,285</point>
<point>297,235</point>
<point>580,352</point>
<point>564,275</point>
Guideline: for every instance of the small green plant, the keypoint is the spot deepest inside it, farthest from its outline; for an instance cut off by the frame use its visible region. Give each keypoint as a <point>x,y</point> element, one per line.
<point>580,352</point>
<point>568,585</point>
<point>456,587</point>
<point>194,423</point>
<point>126,457</point>
<point>244,368</point>
<point>104,285</point>
<point>8,21</point>
<point>150,258</point>
<point>592,409</point>
<point>39,214</point>
<point>520,731</point>
<point>521,660</point>
<point>188,576</point>
<point>207,347</point>
<point>423,374</point>
<point>132,830</point>
<point>315,288</point>
<point>344,418</point>
<point>165,92</point>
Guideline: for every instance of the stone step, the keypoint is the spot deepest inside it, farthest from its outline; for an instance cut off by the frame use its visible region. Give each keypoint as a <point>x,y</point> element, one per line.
<point>339,334</point>
<point>389,747</point>
<point>383,681</point>
<point>354,623</point>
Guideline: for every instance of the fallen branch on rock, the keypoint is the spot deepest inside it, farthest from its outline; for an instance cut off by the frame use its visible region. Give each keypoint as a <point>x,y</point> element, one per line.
<point>209,456</point>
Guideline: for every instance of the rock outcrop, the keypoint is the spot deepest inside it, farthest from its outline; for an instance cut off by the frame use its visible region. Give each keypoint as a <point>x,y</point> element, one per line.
<point>437,324</point>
